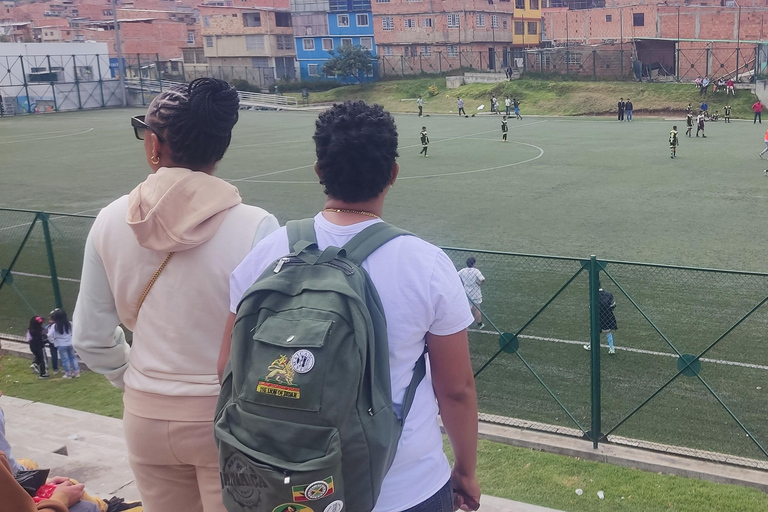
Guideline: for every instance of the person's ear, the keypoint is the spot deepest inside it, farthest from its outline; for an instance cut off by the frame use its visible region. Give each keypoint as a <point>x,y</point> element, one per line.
<point>317,171</point>
<point>394,173</point>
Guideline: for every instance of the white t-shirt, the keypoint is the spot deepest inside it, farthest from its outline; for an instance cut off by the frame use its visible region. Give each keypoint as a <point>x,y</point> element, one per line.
<point>507,102</point>
<point>59,340</point>
<point>420,292</point>
<point>472,278</point>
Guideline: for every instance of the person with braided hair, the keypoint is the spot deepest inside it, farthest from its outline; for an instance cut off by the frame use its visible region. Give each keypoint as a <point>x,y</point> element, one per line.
<point>158,261</point>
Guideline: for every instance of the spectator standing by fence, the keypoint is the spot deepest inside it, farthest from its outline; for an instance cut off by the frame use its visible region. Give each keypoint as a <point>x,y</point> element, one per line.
<point>704,86</point>
<point>35,339</point>
<point>729,87</point>
<point>473,279</point>
<point>757,108</point>
<point>60,334</point>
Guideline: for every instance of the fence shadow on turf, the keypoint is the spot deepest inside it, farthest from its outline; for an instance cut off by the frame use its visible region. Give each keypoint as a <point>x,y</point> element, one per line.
<point>688,375</point>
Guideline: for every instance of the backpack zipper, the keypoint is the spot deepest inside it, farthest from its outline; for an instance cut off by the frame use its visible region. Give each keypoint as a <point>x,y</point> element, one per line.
<point>287,479</point>
<point>293,260</point>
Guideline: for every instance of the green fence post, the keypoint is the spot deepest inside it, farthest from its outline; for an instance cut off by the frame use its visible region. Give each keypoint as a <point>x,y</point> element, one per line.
<point>594,65</point>
<point>101,82</point>
<point>594,331</point>
<point>53,86</point>
<point>621,64</point>
<point>141,79</point>
<point>44,217</point>
<point>77,84</point>
<point>440,62</point>
<point>7,271</point>
<point>159,71</point>
<point>26,86</point>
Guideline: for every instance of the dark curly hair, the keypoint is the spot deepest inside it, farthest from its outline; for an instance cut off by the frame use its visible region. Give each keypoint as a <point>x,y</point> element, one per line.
<point>356,147</point>
<point>196,120</point>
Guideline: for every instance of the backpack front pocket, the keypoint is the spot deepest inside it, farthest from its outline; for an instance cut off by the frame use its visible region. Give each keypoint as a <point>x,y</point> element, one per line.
<point>283,473</point>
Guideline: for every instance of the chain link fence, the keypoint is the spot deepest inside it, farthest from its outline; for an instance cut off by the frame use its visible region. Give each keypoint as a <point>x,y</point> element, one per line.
<point>688,373</point>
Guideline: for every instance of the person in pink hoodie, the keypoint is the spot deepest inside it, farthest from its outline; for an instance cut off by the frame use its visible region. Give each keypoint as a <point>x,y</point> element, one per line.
<point>158,261</point>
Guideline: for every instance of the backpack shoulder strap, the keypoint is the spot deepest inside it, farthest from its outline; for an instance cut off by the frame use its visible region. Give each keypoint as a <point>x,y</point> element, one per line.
<point>370,239</point>
<point>419,372</point>
<point>300,230</point>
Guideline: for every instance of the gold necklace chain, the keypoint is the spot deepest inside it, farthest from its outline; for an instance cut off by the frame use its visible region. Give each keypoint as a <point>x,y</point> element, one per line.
<point>358,212</point>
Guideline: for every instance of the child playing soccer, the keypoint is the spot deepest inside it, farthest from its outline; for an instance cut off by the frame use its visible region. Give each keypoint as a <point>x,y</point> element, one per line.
<point>700,125</point>
<point>689,122</point>
<point>425,141</point>
<point>673,142</point>
<point>504,129</point>
<point>516,105</point>
<point>727,113</point>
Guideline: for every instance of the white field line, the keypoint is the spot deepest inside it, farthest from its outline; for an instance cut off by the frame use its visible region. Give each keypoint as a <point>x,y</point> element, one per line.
<point>634,350</point>
<point>21,135</point>
<point>48,138</point>
<point>68,279</point>
<point>255,179</point>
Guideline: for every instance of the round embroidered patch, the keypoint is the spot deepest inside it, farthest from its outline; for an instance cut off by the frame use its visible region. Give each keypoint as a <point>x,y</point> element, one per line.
<point>336,506</point>
<point>316,490</point>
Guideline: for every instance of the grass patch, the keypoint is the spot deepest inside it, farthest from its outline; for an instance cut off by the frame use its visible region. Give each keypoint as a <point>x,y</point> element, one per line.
<point>90,393</point>
<point>551,480</point>
<point>540,97</point>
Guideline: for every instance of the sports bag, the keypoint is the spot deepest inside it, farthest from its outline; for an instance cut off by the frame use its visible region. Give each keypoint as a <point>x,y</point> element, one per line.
<point>305,420</point>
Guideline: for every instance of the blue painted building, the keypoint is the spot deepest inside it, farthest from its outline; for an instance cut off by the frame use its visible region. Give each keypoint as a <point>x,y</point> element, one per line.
<point>324,25</point>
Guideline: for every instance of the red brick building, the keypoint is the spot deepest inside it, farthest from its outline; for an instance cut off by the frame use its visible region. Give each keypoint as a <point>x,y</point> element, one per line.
<point>455,33</point>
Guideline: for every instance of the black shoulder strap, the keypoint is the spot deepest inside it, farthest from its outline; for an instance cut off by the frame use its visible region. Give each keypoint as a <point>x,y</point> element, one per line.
<point>370,239</point>
<point>300,230</point>
<point>419,372</point>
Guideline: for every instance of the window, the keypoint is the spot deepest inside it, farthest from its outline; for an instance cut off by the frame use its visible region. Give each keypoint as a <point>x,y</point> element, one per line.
<point>533,27</point>
<point>282,19</point>
<point>387,51</point>
<point>519,28</point>
<point>260,62</point>
<point>520,4</point>
<point>190,37</point>
<point>338,5</point>
<point>308,44</point>
<point>209,41</point>
<point>494,21</point>
<point>346,41</point>
<point>534,5</point>
<point>481,20</point>
<point>362,20</point>
<point>387,23</point>
<point>107,12</point>
<point>342,20</point>
<point>504,24</point>
<point>86,72</point>
<point>284,42</point>
<point>327,44</point>
<point>407,51</point>
<point>608,18</point>
<point>206,21</point>
<point>452,50</point>
<point>453,21</point>
<point>573,58</point>
<point>312,70</point>
<point>367,43</point>
<point>254,43</point>
<point>426,22</point>
<point>638,19</point>
<point>426,51</point>
<point>409,23</point>
<point>382,1</point>
<point>252,19</point>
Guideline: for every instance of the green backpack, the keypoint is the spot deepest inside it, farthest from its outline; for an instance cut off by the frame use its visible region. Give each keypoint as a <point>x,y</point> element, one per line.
<point>305,420</point>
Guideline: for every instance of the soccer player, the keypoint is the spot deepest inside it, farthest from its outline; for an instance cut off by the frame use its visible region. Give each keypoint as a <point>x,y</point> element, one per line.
<point>673,142</point>
<point>420,103</point>
<point>766,144</point>
<point>607,318</point>
<point>689,109</point>
<point>700,125</point>
<point>689,123</point>
<point>705,108</point>
<point>504,129</point>
<point>727,113</point>
<point>460,103</point>
<point>425,141</point>
<point>516,104</point>
<point>473,279</point>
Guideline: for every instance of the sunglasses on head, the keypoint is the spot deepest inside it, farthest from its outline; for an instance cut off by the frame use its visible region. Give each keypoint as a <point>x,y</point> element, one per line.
<point>140,128</point>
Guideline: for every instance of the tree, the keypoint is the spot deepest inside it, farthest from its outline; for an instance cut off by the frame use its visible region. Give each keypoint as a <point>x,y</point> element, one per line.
<point>349,60</point>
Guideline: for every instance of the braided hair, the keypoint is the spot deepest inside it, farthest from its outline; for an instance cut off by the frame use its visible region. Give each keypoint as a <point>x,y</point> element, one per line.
<point>356,147</point>
<point>196,120</point>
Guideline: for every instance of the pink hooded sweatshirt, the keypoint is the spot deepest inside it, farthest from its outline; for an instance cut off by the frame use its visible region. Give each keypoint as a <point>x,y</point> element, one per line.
<point>177,333</point>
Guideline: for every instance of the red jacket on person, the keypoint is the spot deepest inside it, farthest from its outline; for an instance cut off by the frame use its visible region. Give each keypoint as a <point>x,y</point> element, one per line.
<point>757,107</point>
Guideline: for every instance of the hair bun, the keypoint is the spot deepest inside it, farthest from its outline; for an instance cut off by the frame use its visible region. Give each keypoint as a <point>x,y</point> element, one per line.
<point>214,104</point>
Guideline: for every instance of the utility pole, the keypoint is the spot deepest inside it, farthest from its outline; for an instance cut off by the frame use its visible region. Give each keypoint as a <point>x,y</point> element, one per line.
<point>119,50</point>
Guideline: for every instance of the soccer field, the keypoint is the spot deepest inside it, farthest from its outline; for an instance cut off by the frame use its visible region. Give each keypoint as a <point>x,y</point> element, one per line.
<point>573,187</point>
<point>562,186</point>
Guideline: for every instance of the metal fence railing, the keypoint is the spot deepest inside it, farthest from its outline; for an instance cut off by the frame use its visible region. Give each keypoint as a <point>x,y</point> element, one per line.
<point>688,373</point>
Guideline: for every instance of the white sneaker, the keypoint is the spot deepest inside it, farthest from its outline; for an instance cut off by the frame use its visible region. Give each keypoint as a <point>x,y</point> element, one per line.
<point>587,347</point>
<point>611,350</point>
